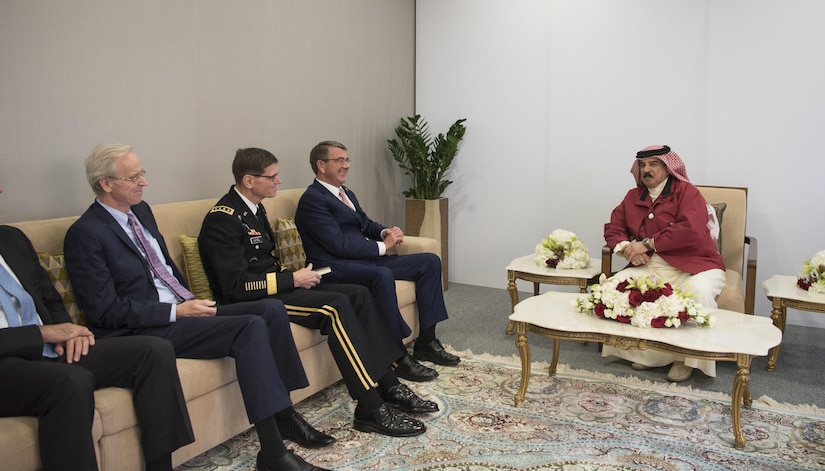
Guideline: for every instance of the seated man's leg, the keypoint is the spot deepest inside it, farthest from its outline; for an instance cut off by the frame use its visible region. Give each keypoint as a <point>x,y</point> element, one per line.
<point>381,283</point>
<point>281,342</point>
<point>425,270</point>
<point>61,396</point>
<point>243,338</point>
<point>146,365</point>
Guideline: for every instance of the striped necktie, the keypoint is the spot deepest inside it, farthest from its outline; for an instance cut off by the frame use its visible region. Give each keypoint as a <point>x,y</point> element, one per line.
<point>158,267</point>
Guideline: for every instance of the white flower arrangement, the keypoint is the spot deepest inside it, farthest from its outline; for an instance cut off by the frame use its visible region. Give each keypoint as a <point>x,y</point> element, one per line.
<point>642,302</point>
<point>812,276</point>
<point>562,249</point>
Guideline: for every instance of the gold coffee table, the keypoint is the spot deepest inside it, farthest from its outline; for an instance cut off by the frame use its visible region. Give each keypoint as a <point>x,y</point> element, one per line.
<point>783,293</point>
<point>526,268</point>
<point>734,337</point>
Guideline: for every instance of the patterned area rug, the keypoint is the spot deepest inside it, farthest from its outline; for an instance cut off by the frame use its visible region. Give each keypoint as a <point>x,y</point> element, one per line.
<point>576,420</point>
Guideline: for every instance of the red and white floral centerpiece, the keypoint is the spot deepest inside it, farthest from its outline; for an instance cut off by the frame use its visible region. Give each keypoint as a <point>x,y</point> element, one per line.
<point>563,250</point>
<point>812,276</point>
<point>642,302</point>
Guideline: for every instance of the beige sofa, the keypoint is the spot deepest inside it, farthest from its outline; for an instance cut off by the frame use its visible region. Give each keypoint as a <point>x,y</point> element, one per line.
<point>210,386</point>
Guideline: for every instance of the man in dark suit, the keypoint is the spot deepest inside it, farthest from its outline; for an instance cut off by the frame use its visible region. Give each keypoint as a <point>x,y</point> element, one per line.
<point>337,233</point>
<point>50,367</point>
<point>127,284</point>
<point>236,243</point>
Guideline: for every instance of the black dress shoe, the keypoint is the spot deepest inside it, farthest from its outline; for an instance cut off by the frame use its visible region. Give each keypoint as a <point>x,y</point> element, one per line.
<point>387,421</point>
<point>297,429</point>
<point>288,462</point>
<point>409,369</point>
<point>403,399</point>
<point>433,351</point>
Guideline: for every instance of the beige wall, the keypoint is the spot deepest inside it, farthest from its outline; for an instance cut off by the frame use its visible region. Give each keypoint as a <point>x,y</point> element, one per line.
<point>188,82</point>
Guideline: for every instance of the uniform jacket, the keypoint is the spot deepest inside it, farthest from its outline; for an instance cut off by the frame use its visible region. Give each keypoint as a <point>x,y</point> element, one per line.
<point>26,341</point>
<point>677,221</point>
<point>237,253</point>
<point>111,278</point>
<point>333,233</point>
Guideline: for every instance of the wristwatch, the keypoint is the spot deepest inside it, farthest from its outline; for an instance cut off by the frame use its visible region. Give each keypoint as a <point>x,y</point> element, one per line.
<point>646,243</point>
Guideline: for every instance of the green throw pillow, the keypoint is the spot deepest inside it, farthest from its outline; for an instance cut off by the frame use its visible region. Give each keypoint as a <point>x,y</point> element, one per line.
<point>193,268</point>
<point>55,266</point>
<point>290,246</point>
<point>720,211</point>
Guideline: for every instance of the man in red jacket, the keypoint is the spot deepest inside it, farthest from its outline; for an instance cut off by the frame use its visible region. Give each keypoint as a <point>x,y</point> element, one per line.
<point>664,227</point>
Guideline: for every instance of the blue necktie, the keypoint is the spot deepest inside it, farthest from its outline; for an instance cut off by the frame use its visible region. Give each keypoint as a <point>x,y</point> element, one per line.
<point>27,314</point>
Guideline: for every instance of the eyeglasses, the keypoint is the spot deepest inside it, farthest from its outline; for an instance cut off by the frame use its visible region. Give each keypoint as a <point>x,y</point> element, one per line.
<point>268,177</point>
<point>339,160</point>
<point>132,179</point>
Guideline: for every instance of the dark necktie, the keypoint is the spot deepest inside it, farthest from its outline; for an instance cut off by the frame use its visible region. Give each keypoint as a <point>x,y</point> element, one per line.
<point>27,314</point>
<point>156,265</point>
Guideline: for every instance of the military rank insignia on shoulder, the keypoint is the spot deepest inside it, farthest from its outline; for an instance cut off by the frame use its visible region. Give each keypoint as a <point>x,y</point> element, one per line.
<point>222,209</point>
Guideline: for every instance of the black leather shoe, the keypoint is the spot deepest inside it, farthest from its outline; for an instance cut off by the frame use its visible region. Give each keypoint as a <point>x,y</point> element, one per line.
<point>409,369</point>
<point>297,429</point>
<point>403,399</point>
<point>433,351</point>
<point>387,421</point>
<point>288,462</point>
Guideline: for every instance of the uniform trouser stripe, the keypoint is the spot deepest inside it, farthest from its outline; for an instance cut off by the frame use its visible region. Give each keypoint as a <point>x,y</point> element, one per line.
<point>343,339</point>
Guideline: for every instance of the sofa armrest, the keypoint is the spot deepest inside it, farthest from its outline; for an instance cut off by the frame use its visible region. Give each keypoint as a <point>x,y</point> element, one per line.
<point>416,244</point>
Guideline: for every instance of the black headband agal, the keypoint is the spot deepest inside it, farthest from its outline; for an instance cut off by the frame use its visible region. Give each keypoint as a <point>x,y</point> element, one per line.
<point>642,154</point>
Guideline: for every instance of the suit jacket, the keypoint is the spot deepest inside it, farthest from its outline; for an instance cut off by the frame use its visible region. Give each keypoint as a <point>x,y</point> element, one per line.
<point>26,342</point>
<point>236,251</point>
<point>333,233</point>
<point>110,277</point>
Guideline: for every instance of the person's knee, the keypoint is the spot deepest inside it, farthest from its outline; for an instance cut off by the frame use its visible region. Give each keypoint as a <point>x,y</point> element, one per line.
<point>74,387</point>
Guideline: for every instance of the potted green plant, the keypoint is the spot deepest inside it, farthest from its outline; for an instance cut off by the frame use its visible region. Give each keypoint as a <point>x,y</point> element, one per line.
<point>426,160</point>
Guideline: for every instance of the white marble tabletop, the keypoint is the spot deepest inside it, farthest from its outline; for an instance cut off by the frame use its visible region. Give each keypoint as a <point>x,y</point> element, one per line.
<point>733,332</point>
<point>781,286</point>
<point>527,264</point>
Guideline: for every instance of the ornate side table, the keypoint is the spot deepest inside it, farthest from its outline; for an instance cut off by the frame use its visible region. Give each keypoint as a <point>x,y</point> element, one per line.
<point>525,268</point>
<point>783,293</point>
<point>735,337</point>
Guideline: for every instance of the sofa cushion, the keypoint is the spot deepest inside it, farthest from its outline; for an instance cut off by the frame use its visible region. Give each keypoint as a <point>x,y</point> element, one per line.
<point>290,246</point>
<point>55,266</point>
<point>193,267</point>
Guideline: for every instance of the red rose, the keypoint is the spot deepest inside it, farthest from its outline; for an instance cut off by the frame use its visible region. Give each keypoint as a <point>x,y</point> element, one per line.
<point>552,262</point>
<point>652,295</point>
<point>683,316</point>
<point>599,309</point>
<point>667,290</point>
<point>658,322</point>
<point>636,298</point>
<point>623,319</point>
<point>802,283</point>
<point>621,287</point>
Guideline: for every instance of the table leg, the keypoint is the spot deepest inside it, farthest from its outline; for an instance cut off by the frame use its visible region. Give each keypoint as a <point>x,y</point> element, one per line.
<point>524,353</point>
<point>551,370</point>
<point>778,315</point>
<point>511,288</point>
<point>741,395</point>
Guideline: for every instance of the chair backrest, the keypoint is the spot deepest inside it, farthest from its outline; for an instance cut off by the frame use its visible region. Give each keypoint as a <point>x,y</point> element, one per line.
<point>733,222</point>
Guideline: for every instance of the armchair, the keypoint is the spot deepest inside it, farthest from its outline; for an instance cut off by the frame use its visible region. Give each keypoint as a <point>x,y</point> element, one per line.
<point>740,284</point>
